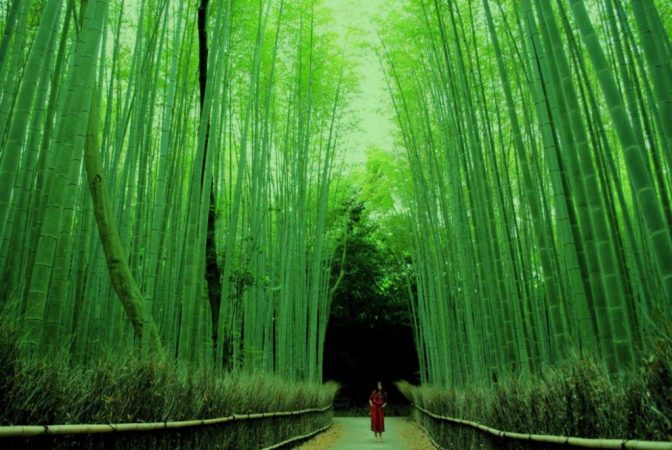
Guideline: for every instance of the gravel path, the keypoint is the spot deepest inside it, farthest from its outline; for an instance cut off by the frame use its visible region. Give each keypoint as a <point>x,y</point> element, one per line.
<point>354,433</point>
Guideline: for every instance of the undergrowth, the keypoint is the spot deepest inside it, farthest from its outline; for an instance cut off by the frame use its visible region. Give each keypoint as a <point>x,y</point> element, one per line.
<point>44,391</point>
<point>579,397</point>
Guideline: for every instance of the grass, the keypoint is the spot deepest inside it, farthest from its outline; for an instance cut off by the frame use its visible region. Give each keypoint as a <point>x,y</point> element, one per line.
<point>43,391</point>
<point>579,397</point>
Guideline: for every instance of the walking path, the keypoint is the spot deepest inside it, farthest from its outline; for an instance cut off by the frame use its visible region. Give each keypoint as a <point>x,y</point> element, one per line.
<point>354,433</point>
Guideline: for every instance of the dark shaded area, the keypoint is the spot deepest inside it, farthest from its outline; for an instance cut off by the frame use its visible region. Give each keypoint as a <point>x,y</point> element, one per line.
<point>369,337</point>
<point>213,274</point>
<point>357,356</point>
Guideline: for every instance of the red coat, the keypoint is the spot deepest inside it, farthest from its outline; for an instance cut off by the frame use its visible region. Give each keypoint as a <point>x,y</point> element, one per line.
<point>377,400</point>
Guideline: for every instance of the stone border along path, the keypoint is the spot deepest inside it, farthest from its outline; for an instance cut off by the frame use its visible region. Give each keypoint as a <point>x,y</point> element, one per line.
<point>354,433</point>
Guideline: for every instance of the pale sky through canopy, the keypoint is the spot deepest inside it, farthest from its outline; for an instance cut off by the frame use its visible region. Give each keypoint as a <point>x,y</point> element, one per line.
<point>354,21</point>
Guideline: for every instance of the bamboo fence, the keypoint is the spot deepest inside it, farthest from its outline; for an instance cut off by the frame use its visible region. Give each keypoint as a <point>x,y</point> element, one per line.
<point>571,441</point>
<point>41,430</point>
<point>298,438</point>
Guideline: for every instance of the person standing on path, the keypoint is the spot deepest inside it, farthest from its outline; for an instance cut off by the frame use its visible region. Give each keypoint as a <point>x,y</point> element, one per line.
<point>378,400</point>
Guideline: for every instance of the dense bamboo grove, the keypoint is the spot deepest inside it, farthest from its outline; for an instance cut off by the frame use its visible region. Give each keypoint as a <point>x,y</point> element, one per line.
<point>538,139</point>
<point>173,184</point>
<point>174,133</point>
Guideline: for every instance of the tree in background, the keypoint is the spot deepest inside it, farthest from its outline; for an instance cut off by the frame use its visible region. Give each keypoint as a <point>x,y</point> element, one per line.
<point>369,335</point>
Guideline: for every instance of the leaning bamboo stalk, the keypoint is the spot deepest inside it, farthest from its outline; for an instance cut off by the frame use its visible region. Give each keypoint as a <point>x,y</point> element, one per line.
<point>39,430</point>
<point>572,441</point>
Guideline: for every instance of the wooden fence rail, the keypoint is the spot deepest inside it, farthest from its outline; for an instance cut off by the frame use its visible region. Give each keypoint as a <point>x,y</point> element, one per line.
<point>294,439</point>
<point>559,440</point>
<point>41,430</point>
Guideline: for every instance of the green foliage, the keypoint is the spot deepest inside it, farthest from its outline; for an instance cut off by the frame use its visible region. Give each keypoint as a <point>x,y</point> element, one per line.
<point>258,150</point>
<point>114,389</point>
<point>373,289</point>
<point>538,207</point>
<point>578,397</point>
<point>525,213</point>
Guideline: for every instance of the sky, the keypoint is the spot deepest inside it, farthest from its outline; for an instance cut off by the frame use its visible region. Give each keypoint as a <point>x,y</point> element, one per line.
<point>354,21</point>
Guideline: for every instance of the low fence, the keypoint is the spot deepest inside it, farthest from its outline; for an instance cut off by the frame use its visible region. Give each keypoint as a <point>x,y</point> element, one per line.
<point>568,441</point>
<point>298,438</point>
<point>28,431</point>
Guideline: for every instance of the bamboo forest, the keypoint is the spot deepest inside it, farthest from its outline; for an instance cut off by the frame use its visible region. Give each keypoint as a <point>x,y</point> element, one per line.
<point>223,222</point>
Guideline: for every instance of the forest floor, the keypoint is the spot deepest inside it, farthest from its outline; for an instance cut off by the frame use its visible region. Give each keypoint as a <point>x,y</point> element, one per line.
<point>353,433</point>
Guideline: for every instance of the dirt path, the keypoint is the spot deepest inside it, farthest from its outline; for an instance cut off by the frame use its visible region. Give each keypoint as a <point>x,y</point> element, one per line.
<point>353,433</point>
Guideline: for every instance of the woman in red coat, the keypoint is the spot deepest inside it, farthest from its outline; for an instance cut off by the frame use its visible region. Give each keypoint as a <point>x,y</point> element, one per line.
<point>378,400</point>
